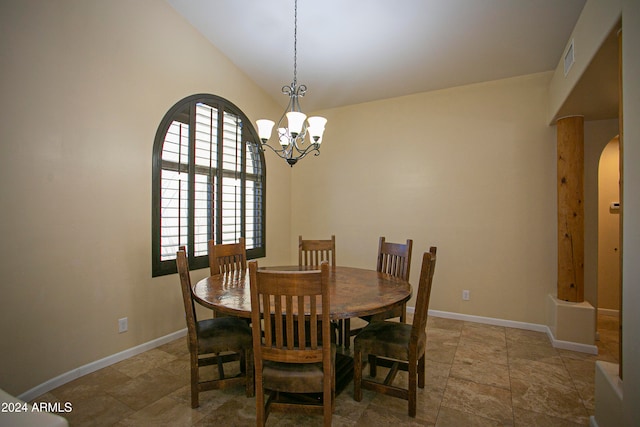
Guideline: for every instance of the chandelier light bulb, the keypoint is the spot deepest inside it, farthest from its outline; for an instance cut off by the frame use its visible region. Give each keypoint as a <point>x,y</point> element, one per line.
<point>264,129</point>
<point>296,121</point>
<point>283,136</point>
<point>316,128</point>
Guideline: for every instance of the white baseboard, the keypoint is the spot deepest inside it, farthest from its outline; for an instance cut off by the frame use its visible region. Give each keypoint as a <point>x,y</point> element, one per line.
<point>573,346</point>
<point>488,320</point>
<point>565,345</point>
<point>98,364</point>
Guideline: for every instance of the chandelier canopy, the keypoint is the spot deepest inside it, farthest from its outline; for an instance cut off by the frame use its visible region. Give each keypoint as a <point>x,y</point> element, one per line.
<point>293,131</point>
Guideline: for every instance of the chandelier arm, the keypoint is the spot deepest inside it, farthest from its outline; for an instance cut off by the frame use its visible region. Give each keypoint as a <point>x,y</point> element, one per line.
<point>307,150</point>
<point>281,153</point>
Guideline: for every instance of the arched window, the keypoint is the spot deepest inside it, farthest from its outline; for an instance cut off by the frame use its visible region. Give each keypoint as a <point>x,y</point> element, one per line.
<point>208,182</point>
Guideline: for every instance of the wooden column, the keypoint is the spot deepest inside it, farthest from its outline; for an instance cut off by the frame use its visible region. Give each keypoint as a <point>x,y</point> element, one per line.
<point>570,140</point>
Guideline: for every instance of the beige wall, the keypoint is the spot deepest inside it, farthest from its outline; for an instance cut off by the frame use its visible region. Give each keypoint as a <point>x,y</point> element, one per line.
<point>84,86</point>
<point>469,169</point>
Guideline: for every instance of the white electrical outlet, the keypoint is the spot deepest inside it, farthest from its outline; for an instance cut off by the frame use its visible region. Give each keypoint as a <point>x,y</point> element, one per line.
<point>123,325</point>
<point>465,295</point>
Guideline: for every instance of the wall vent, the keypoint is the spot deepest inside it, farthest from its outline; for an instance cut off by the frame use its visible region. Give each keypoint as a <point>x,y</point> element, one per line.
<point>569,58</point>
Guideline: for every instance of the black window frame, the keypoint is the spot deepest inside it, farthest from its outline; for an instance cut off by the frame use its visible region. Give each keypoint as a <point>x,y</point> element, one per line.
<point>184,111</point>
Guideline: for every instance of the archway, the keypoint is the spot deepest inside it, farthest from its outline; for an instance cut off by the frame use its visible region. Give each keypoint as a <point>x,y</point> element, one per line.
<point>609,282</point>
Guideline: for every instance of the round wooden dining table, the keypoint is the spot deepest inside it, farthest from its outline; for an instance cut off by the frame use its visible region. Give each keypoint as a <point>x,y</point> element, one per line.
<point>354,292</point>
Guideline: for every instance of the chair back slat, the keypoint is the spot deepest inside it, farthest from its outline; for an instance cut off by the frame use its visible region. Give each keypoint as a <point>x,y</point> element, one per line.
<point>394,258</point>
<point>424,294</point>
<point>313,252</point>
<point>228,257</point>
<point>268,331</point>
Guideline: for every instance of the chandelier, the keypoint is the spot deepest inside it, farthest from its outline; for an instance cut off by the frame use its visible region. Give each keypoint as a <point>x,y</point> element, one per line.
<point>292,133</point>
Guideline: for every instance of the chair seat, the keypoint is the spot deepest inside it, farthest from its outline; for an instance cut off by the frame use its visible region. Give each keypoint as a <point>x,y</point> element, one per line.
<point>295,377</point>
<point>223,334</point>
<point>387,339</point>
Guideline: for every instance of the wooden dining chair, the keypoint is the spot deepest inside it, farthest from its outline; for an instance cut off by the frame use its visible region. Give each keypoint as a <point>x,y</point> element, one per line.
<point>227,257</point>
<point>393,259</point>
<point>313,252</point>
<point>214,341</point>
<point>294,360</point>
<point>400,344</point>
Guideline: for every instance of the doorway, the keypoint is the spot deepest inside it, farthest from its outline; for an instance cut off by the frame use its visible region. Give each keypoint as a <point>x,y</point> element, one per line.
<point>609,281</point>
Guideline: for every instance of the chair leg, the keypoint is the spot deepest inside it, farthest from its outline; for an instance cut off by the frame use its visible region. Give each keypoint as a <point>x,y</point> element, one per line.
<point>194,380</point>
<point>248,368</point>
<point>243,365</point>
<point>403,316</point>
<point>357,375</point>
<point>421,371</point>
<point>260,409</point>
<point>347,333</point>
<point>333,386</point>
<point>413,374</point>
<point>220,366</point>
<point>373,366</point>
<point>327,403</point>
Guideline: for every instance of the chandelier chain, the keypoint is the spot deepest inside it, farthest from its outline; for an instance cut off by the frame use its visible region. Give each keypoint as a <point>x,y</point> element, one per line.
<point>295,43</point>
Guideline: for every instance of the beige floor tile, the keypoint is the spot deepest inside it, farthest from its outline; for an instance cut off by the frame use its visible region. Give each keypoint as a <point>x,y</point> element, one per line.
<point>209,400</point>
<point>98,410</point>
<point>238,411</point>
<point>488,334</point>
<point>482,372</point>
<point>448,417</point>
<point>534,352</point>
<point>442,345</point>
<point>163,412</point>
<point>90,385</point>
<point>144,362</point>
<point>476,375</point>
<point>524,418</point>
<point>379,415</point>
<point>444,323</point>
<point>436,375</point>
<point>527,337</point>
<point>536,372</point>
<point>551,399</point>
<point>177,347</point>
<point>483,400</point>
<point>491,352</point>
<point>145,389</point>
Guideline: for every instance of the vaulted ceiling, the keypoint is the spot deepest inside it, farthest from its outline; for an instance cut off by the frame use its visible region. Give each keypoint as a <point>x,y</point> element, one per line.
<point>353,51</point>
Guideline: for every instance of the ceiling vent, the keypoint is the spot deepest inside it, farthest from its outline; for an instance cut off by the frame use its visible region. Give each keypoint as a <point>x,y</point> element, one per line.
<point>569,58</point>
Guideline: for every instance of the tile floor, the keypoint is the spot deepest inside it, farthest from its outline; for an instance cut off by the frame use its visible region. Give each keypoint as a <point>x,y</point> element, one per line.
<point>477,375</point>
